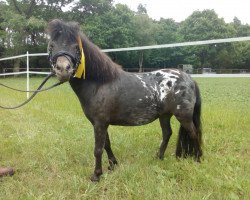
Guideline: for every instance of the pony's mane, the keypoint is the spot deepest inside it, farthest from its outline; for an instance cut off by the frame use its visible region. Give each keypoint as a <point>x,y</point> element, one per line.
<point>68,30</point>
<point>99,66</point>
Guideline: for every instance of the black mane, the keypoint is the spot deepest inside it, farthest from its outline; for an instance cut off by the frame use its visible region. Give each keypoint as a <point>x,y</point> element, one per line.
<point>69,30</point>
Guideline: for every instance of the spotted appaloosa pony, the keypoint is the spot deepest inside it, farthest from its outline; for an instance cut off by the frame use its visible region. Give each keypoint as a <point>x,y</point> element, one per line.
<point>111,96</point>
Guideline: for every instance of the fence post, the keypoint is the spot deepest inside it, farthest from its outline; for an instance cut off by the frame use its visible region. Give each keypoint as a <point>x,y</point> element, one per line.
<point>28,76</point>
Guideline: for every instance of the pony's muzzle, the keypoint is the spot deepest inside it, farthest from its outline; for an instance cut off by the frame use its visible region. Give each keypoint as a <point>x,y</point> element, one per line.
<point>63,68</point>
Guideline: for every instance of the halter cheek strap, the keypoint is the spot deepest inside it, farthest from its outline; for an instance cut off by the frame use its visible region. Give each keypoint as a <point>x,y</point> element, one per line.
<point>81,70</point>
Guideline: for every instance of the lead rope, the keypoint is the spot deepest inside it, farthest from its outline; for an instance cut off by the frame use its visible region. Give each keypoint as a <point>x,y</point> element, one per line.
<point>34,91</point>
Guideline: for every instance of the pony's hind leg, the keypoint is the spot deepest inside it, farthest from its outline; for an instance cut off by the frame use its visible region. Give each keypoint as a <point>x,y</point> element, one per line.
<point>188,141</point>
<point>185,144</point>
<point>166,134</point>
<point>111,157</point>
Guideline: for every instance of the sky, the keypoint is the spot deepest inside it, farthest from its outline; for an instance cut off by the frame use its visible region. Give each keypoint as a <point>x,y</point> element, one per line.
<point>179,10</point>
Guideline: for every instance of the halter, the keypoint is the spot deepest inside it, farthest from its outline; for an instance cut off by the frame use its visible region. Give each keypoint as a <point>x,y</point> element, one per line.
<point>75,60</point>
<point>78,60</point>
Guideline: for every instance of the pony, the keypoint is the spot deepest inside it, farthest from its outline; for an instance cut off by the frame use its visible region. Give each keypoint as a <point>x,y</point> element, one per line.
<point>111,96</point>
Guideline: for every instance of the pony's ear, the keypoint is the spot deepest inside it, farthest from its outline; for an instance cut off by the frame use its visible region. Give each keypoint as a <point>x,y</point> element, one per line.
<point>55,22</point>
<point>54,27</point>
<point>74,26</point>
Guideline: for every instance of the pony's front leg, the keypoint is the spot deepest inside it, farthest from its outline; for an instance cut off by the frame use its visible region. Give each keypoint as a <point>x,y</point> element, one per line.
<point>100,136</point>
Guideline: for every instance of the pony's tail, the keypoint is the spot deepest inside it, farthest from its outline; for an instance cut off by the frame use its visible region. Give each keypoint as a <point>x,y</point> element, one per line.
<point>197,114</point>
<point>186,146</point>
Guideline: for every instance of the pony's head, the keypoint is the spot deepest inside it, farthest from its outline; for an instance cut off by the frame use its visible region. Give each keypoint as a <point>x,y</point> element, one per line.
<point>63,48</point>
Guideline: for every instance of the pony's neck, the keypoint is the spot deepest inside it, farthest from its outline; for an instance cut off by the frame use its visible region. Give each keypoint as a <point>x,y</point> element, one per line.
<point>99,67</point>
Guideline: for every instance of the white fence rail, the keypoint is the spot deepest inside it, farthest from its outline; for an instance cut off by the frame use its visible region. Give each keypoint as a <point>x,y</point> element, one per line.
<point>205,42</point>
<point>27,72</point>
<point>182,44</point>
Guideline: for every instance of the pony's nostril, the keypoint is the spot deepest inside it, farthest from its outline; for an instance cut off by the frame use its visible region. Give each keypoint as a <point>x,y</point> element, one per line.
<point>68,67</point>
<point>57,67</point>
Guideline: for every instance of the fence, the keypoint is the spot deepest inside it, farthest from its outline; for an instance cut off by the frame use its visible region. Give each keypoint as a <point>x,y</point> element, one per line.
<point>27,72</point>
<point>205,42</point>
<point>195,71</point>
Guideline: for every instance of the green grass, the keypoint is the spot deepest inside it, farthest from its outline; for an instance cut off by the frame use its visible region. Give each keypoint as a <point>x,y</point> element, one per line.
<point>49,142</point>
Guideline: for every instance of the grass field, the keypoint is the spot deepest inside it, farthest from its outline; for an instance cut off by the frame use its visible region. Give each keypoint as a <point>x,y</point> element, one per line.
<point>50,144</point>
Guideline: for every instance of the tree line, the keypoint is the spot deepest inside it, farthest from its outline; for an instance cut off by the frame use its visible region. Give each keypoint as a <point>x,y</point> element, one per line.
<point>23,24</point>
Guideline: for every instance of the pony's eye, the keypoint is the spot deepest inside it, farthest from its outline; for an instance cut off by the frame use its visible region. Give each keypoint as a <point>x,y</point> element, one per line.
<point>51,44</point>
<point>74,46</point>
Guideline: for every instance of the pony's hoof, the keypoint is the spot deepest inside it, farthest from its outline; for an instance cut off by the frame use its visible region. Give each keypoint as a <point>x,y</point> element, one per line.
<point>159,156</point>
<point>178,155</point>
<point>112,164</point>
<point>95,178</point>
<point>198,159</point>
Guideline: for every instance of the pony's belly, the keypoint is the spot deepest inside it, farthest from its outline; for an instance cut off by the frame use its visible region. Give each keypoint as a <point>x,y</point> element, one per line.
<point>134,119</point>
<point>137,122</point>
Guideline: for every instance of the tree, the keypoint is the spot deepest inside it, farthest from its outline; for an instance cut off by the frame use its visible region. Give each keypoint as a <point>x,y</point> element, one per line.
<point>166,33</point>
<point>112,29</point>
<point>2,31</point>
<point>22,25</point>
<point>144,34</point>
<point>84,9</point>
<point>24,22</point>
<point>205,25</point>
<point>241,29</point>
<point>141,9</point>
